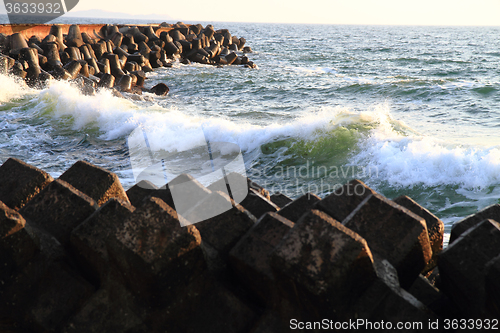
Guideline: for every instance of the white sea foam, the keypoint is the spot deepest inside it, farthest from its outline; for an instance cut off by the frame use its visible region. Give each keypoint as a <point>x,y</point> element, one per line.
<point>402,156</point>
<point>412,159</point>
<point>11,87</point>
<point>170,129</point>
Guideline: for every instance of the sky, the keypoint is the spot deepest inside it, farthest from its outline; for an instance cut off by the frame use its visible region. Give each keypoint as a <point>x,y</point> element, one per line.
<point>389,12</point>
<point>417,12</point>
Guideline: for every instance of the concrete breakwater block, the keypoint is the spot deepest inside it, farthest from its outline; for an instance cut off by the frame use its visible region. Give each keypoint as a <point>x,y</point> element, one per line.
<point>157,46</point>
<point>345,199</point>
<point>89,239</point>
<point>18,245</point>
<point>322,266</point>
<point>280,200</point>
<point>393,233</point>
<point>20,182</point>
<point>155,256</point>
<point>58,209</point>
<point>144,189</point>
<point>43,290</point>
<point>98,183</point>
<point>462,267</point>
<point>216,308</point>
<point>220,232</point>
<point>295,209</point>
<point>136,263</point>
<point>257,204</point>
<point>386,301</point>
<point>250,256</point>
<point>435,227</point>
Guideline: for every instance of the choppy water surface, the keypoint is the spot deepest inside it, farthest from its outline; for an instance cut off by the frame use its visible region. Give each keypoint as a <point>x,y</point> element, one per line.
<point>408,110</point>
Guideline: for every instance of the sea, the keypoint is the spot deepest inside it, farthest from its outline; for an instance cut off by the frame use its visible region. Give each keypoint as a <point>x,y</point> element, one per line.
<point>409,110</point>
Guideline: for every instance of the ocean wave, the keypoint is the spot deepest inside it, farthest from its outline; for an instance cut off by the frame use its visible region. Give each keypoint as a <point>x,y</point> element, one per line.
<point>410,160</point>
<point>371,138</point>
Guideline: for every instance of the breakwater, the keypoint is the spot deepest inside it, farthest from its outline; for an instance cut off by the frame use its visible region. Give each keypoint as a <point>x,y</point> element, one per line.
<point>81,254</point>
<point>113,56</point>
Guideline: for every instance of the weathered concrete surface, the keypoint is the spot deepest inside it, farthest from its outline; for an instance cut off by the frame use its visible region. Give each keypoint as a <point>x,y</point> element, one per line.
<point>155,255</point>
<point>58,209</point>
<point>88,240</point>
<point>98,183</point>
<point>322,266</point>
<point>20,182</point>
<point>221,232</point>
<point>345,199</point>
<point>257,204</point>
<point>280,200</point>
<point>393,233</point>
<point>435,227</point>
<point>462,266</point>
<point>300,206</point>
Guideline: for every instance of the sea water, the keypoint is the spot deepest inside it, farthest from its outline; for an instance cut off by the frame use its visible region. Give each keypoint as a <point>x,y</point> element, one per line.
<point>406,109</point>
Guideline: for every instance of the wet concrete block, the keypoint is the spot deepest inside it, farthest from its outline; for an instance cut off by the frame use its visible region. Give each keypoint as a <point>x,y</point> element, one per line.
<point>58,209</point>
<point>393,233</point>
<point>88,240</point>
<point>322,266</point>
<point>157,257</point>
<point>257,204</point>
<point>20,182</point>
<point>345,199</point>
<point>280,200</point>
<point>462,266</point>
<point>250,256</point>
<point>435,227</point>
<point>490,212</point>
<point>98,183</point>
<point>294,210</point>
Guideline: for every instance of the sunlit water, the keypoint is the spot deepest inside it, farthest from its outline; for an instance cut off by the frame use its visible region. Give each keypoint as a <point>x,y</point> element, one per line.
<point>408,110</point>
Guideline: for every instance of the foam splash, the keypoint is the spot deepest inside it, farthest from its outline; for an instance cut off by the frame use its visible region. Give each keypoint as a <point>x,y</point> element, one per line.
<point>12,88</point>
<point>409,159</point>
